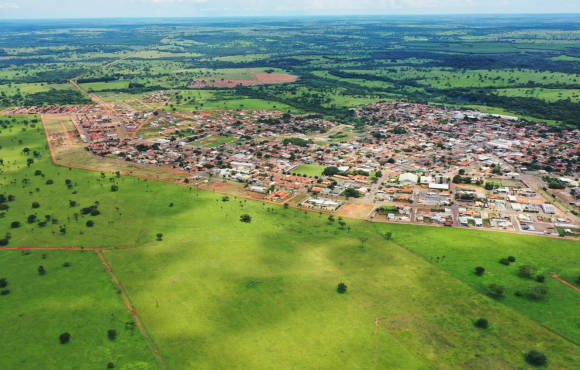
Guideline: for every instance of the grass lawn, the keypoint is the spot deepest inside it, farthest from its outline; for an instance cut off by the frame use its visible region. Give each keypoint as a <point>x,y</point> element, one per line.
<point>309,170</point>
<point>80,299</point>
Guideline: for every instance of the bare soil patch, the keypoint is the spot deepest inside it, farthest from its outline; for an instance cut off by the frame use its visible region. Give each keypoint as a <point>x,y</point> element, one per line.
<point>355,210</point>
<point>261,79</point>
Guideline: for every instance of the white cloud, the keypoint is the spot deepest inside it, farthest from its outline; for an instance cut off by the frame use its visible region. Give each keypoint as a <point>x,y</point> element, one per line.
<point>9,6</point>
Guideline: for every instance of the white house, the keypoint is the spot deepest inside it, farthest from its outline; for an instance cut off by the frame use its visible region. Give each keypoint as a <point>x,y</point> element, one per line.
<point>408,179</point>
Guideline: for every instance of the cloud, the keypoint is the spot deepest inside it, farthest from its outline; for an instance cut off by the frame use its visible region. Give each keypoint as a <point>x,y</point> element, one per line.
<point>174,1</point>
<point>9,6</point>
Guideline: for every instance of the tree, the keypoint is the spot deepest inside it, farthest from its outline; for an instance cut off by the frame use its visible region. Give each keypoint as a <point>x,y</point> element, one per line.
<point>342,224</point>
<point>498,289</point>
<point>511,259</point>
<point>286,205</point>
<point>504,261</point>
<point>482,323</point>
<point>536,358</point>
<point>35,204</point>
<point>3,283</point>
<point>64,338</point>
<point>341,288</point>
<point>159,236</point>
<point>540,278</point>
<point>110,365</point>
<point>331,218</point>
<point>31,218</point>
<point>538,290</point>
<point>29,161</point>
<point>246,218</point>
<point>363,240</point>
<point>15,225</point>
<point>479,270</point>
<point>330,171</point>
<point>41,270</point>
<point>112,334</point>
<point>462,172</point>
<point>72,203</point>
<point>114,188</point>
<point>388,235</point>
<point>4,291</point>
<point>225,198</point>
<point>527,270</point>
<point>90,223</point>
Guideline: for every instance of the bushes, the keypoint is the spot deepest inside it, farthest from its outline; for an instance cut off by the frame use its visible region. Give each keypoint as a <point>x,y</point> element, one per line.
<point>15,225</point>
<point>504,261</point>
<point>64,338</point>
<point>341,288</point>
<point>3,283</point>
<point>482,323</point>
<point>4,291</point>
<point>90,223</point>
<point>540,278</point>
<point>3,242</point>
<point>112,334</point>
<point>479,270</point>
<point>35,205</point>
<point>114,188</point>
<point>246,218</point>
<point>511,259</point>
<point>49,182</point>
<point>536,358</point>
<point>41,270</point>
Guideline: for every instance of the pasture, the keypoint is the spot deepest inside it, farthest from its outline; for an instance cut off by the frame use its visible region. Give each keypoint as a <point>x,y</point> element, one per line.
<point>80,299</point>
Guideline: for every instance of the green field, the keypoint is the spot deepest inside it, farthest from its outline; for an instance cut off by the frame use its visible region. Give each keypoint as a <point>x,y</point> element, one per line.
<point>309,170</point>
<point>98,86</point>
<point>80,299</point>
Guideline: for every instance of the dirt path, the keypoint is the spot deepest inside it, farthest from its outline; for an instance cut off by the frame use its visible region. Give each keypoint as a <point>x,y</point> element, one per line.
<point>565,282</point>
<point>252,74</point>
<point>66,134</point>
<point>150,343</point>
<point>150,118</point>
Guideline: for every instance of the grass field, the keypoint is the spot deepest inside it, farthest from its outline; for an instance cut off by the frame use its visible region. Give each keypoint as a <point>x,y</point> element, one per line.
<point>99,86</point>
<point>309,170</point>
<point>80,299</point>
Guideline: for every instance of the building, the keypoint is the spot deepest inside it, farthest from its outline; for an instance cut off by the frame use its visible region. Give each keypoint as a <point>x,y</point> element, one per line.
<point>549,209</point>
<point>408,179</point>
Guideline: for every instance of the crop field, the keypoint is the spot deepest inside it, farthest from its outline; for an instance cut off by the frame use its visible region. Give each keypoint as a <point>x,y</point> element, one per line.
<point>80,299</point>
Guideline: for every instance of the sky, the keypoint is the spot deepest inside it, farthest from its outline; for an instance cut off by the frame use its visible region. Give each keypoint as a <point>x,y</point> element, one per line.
<point>58,9</point>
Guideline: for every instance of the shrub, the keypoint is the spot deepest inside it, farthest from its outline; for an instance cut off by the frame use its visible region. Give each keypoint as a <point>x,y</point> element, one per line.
<point>3,242</point>
<point>37,173</point>
<point>341,288</point>
<point>35,204</point>
<point>114,188</point>
<point>31,219</point>
<point>4,291</point>
<point>504,261</point>
<point>42,224</point>
<point>112,334</point>
<point>15,225</point>
<point>95,212</point>
<point>479,270</point>
<point>540,278</point>
<point>159,236</point>
<point>66,264</point>
<point>511,259</point>
<point>64,338</point>
<point>49,182</point>
<point>482,323</point>
<point>536,358</point>
<point>41,270</point>
<point>72,203</point>
<point>518,293</point>
<point>90,223</point>
<point>246,218</point>
<point>3,283</point>
<point>110,365</point>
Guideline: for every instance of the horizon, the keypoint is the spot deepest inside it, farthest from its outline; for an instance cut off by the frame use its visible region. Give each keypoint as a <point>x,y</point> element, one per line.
<point>66,9</point>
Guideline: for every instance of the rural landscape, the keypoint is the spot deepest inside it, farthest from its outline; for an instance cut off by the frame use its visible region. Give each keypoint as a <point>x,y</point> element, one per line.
<point>355,192</point>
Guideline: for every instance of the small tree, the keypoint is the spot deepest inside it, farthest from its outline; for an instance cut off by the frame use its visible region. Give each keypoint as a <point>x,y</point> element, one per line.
<point>342,224</point>
<point>112,334</point>
<point>479,270</point>
<point>341,288</point>
<point>540,278</point>
<point>114,188</point>
<point>72,203</point>
<point>64,338</point>
<point>363,240</point>
<point>498,289</point>
<point>246,218</point>
<point>4,291</point>
<point>41,270</point>
<point>159,236</point>
<point>504,261</point>
<point>388,235</point>
<point>15,225</point>
<point>110,365</point>
<point>225,198</point>
<point>90,223</point>
<point>527,271</point>
<point>35,204</point>
<point>3,283</point>
<point>331,218</point>
<point>536,358</point>
<point>286,205</point>
<point>538,290</point>
<point>482,323</point>
<point>511,259</point>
